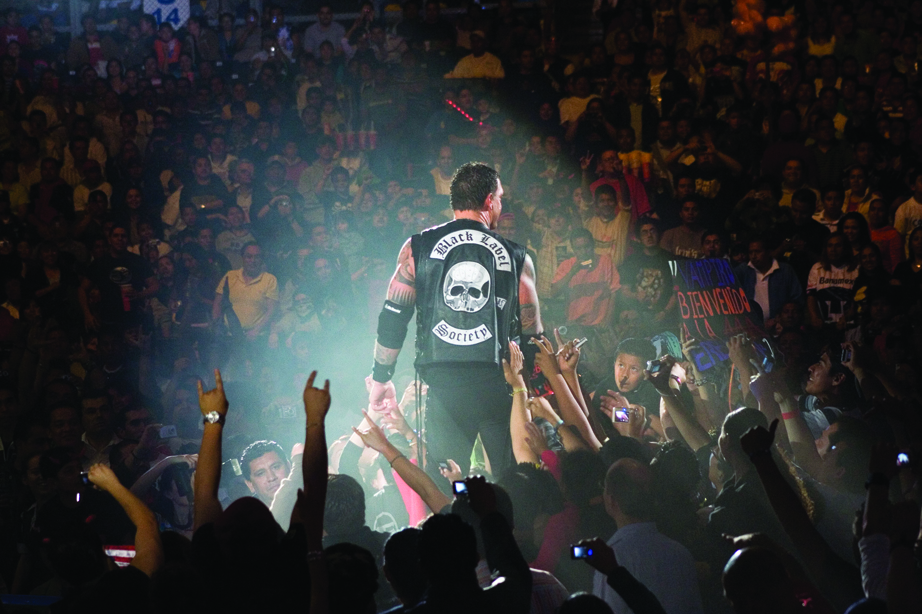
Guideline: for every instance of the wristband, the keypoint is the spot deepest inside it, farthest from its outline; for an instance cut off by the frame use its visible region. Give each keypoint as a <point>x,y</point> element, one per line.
<point>382,373</point>
<point>516,391</point>
<point>313,424</point>
<point>396,458</point>
<point>788,415</point>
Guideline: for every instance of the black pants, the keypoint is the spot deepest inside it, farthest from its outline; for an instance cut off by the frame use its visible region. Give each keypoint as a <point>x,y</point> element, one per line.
<point>463,402</point>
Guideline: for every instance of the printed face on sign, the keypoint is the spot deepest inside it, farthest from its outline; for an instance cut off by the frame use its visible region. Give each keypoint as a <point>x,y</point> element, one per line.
<point>466,287</point>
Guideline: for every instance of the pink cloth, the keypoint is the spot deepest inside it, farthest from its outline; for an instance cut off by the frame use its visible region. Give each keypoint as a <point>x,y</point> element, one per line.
<point>413,502</point>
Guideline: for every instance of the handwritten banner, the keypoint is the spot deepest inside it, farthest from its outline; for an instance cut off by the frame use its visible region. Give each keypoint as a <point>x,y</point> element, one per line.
<point>713,308</point>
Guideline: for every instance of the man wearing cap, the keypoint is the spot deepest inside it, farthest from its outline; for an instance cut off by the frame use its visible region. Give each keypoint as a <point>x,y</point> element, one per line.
<point>480,64</point>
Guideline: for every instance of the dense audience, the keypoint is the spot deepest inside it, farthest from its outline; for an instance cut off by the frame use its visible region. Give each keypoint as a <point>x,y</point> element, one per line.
<point>231,194</point>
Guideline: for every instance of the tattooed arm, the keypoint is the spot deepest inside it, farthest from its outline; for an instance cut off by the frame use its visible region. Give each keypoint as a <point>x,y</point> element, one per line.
<point>392,327</point>
<point>529,310</point>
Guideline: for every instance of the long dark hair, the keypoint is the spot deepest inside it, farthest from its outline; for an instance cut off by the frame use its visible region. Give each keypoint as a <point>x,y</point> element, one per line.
<point>864,232</point>
<point>824,258</point>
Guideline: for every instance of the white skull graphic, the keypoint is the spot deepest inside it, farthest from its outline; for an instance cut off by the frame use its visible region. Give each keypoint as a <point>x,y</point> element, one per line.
<point>467,287</point>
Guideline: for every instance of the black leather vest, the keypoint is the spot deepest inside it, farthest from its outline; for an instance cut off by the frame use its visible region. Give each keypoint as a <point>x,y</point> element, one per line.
<point>467,294</point>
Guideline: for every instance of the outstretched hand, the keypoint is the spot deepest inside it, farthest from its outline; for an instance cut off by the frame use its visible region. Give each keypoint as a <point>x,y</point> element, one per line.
<point>567,354</point>
<point>316,400</point>
<point>215,399</point>
<point>602,558</point>
<point>660,379</point>
<point>480,495</point>
<point>546,358</point>
<point>374,437</point>
<point>758,440</point>
<point>380,396</point>
<point>535,439</point>
<point>103,477</point>
<point>512,368</point>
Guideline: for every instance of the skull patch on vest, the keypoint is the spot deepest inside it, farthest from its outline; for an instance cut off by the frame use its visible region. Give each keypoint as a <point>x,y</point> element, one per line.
<point>466,287</point>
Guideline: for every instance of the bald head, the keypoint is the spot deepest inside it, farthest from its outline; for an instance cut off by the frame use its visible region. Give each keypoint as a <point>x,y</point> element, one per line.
<point>755,581</point>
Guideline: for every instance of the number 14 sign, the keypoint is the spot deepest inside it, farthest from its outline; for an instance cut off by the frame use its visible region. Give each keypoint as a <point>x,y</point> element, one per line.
<point>174,12</point>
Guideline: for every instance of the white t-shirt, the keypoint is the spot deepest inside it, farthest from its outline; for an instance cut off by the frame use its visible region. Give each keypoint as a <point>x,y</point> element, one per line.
<point>832,289</point>
<point>908,217</point>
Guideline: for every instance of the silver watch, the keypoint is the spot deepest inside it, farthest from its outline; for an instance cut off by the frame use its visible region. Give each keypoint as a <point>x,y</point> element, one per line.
<point>214,417</point>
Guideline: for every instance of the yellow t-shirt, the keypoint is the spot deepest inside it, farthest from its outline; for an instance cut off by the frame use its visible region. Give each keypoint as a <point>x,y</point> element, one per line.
<point>250,299</point>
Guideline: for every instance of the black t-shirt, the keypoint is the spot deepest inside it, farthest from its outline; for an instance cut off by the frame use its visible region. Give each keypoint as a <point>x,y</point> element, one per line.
<point>812,232</point>
<point>650,276</point>
<point>199,195</point>
<point>644,395</point>
<point>109,274</point>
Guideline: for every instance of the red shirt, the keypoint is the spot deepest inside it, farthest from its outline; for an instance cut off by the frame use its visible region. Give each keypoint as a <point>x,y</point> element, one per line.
<point>592,293</point>
<point>890,243</point>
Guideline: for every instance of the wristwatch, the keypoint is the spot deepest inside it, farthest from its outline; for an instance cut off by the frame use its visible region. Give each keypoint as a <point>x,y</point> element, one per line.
<point>214,417</point>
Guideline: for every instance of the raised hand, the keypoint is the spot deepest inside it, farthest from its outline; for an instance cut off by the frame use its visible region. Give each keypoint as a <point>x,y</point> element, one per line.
<point>540,408</point>
<point>512,368</point>
<point>567,354</point>
<point>611,401</point>
<point>215,399</point>
<point>535,439</point>
<point>660,379</point>
<point>103,478</point>
<point>758,440</point>
<point>585,161</point>
<point>374,437</point>
<point>546,358</point>
<point>480,496</point>
<point>395,420</point>
<point>453,473</point>
<point>603,557</point>
<point>316,400</point>
<point>740,354</point>
<point>637,419</point>
<point>380,396</point>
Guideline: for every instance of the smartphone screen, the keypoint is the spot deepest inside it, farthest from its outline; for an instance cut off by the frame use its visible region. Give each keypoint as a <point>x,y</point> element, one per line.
<point>579,552</point>
<point>620,414</point>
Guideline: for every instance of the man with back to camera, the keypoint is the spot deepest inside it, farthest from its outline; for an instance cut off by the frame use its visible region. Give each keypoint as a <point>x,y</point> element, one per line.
<point>474,291</point>
<point>264,466</point>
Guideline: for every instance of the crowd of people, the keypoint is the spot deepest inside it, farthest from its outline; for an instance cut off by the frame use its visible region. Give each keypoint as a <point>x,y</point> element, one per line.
<point>232,193</point>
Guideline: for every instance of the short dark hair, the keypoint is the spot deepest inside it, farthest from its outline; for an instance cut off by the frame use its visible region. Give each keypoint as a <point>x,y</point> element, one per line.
<point>711,232</point>
<point>401,556</point>
<point>806,196</point>
<point>345,505</point>
<point>635,346</point>
<point>605,189</point>
<point>472,183</point>
<point>628,482</point>
<point>581,233</point>
<point>648,220</point>
<point>257,449</point>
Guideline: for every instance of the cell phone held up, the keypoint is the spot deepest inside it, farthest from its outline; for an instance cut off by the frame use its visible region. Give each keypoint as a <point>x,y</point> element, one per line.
<point>654,366</point>
<point>620,414</point>
<point>580,552</point>
<point>459,488</point>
